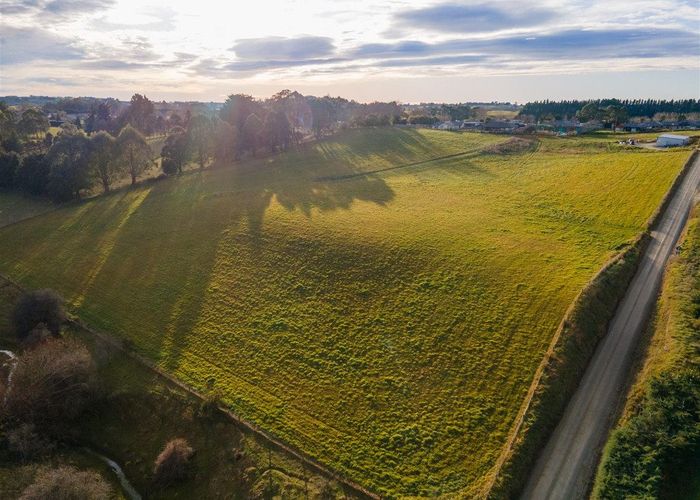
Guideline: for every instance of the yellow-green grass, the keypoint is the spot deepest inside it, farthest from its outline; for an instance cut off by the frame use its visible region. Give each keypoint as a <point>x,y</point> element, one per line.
<point>388,324</point>
<point>674,347</point>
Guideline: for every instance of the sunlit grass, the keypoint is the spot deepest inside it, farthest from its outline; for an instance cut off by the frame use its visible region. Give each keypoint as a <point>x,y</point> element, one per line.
<point>387,324</point>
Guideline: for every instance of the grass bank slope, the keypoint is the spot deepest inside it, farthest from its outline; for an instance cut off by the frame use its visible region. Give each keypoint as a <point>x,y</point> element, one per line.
<point>387,324</point>
<point>655,450</point>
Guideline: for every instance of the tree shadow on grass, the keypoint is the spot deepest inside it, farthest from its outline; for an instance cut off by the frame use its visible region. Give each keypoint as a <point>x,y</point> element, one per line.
<point>140,261</point>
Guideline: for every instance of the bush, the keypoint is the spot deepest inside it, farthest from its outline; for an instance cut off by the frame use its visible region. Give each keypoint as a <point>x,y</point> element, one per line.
<point>33,174</point>
<point>663,433</point>
<point>9,163</point>
<point>173,462</point>
<point>26,443</point>
<point>36,308</point>
<point>67,483</point>
<point>51,384</point>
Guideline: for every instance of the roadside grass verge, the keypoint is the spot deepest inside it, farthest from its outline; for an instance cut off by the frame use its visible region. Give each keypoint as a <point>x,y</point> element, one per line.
<point>388,325</point>
<point>654,451</point>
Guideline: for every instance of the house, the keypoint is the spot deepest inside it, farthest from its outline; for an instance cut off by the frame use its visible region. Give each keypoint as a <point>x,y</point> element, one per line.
<point>669,140</point>
<point>471,125</point>
<point>497,126</point>
<point>449,125</point>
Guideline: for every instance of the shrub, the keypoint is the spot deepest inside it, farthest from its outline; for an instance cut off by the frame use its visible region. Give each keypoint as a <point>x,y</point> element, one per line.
<point>38,307</point>
<point>664,432</point>
<point>9,163</point>
<point>26,443</point>
<point>51,384</point>
<point>173,462</point>
<point>32,176</point>
<point>67,483</point>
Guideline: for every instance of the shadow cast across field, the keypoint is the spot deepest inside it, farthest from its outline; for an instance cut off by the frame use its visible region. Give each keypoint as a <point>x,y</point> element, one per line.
<point>139,262</point>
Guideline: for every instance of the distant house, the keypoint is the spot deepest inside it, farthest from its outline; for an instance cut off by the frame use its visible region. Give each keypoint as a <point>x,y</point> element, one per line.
<point>472,125</point>
<point>500,126</point>
<point>670,140</point>
<point>449,125</point>
<point>642,126</point>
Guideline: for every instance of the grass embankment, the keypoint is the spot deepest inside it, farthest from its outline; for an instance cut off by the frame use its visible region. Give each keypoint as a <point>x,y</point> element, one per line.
<point>139,413</point>
<point>389,325</point>
<point>655,450</point>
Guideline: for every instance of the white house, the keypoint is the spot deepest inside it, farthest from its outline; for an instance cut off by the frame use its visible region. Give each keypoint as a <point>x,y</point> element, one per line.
<point>668,140</point>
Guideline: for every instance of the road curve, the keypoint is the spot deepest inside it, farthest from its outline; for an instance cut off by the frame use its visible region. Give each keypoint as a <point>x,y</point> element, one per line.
<point>567,464</point>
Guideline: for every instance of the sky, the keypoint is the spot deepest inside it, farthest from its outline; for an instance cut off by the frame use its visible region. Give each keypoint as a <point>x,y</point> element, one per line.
<point>409,51</point>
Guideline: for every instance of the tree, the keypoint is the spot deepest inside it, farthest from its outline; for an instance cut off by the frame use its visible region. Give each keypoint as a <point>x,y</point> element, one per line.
<point>38,307</point>
<point>32,176</point>
<point>134,153</point>
<point>616,115</point>
<point>276,131</point>
<point>69,162</point>
<point>33,122</point>
<point>9,164</point>
<point>322,115</point>
<point>66,482</point>
<point>296,110</point>
<point>7,122</point>
<point>175,152</point>
<point>102,158</point>
<point>589,112</point>
<point>200,138</point>
<point>237,108</point>
<point>251,133</point>
<point>172,463</point>
<point>174,120</point>
<point>141,113</point>
<point>52,385</point>
<point>225,142</point>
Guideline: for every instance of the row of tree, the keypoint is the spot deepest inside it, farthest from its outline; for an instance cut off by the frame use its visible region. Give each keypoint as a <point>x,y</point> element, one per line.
<point>633,107</point>
<point>74,161</point>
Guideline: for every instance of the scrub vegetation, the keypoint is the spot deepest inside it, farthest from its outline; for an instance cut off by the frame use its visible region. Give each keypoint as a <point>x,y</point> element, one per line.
<point>654,451</point>
<point>379,300</point>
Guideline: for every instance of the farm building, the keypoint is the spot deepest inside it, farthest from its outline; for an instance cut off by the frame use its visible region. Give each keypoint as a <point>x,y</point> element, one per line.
<point>668,140</point>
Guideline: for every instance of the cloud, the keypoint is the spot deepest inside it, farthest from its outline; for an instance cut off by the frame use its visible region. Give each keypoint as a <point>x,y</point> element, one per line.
<point>473,18</point>
<point>62,7</point>
<point>23,45</point>
<point>574,44</point>
<point>399,49</point>
<point>158,19</point>
<point>63,82</point>
<point>283,48</point>
<point>54,7</point>
<point>523,51</point>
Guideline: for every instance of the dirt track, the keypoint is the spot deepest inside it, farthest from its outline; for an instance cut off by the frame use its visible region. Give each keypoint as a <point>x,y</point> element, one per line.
<point>567,464</point>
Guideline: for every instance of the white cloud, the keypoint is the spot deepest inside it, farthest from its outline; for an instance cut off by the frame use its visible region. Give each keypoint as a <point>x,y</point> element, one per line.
<point>201,46</point>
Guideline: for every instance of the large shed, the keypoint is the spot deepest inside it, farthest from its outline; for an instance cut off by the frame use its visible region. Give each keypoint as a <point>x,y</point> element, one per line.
<point>668,140</point>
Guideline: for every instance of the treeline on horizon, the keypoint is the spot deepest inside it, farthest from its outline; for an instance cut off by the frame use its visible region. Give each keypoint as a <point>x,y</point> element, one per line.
<point>634,107</point>
<point>110,144</point>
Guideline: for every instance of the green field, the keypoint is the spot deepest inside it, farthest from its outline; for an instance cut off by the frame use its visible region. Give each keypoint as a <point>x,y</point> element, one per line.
<point>388,324</point>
